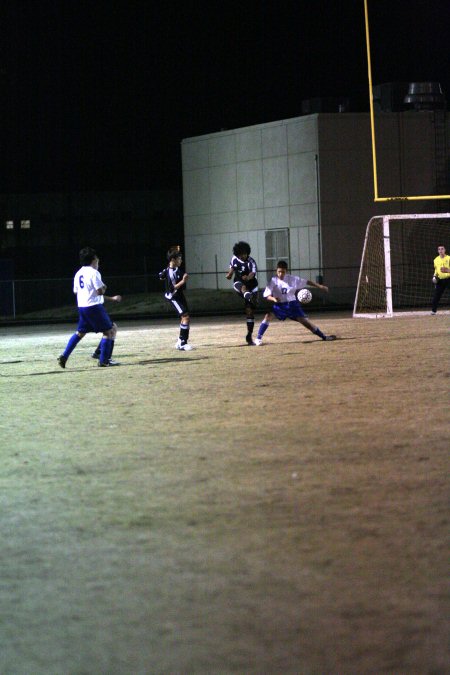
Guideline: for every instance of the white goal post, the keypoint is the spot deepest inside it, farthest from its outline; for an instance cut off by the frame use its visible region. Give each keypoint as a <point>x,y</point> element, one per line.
<point>396,270</point>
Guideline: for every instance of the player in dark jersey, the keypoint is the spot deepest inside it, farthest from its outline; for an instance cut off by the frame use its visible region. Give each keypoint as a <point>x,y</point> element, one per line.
<point>175,280</point>
<point>245,271</point>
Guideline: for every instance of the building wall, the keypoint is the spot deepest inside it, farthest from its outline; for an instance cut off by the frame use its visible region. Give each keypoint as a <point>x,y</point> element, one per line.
<point>311,174</point>
<point>406,165</point>
<point>238,184</point>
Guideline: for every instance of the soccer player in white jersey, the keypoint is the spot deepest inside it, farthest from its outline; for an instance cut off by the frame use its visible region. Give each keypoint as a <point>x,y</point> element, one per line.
<point>245,271</point>
<point>282,291</point>
<point>92,316</point>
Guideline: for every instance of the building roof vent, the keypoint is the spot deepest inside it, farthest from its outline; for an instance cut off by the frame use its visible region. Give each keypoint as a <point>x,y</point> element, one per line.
<point>425,96</point>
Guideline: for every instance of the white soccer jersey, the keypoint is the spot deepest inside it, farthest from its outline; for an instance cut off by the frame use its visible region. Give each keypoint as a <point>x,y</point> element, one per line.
<point>285,289</point>
<point>85,284</point>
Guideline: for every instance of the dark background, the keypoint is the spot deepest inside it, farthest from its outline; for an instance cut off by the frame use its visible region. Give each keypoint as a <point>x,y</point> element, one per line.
<point>98,95</point>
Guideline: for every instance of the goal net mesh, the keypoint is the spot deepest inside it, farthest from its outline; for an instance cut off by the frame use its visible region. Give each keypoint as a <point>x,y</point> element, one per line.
<point>398,255</point>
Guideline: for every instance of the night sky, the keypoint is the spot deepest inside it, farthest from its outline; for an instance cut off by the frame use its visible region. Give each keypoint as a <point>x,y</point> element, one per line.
<point>99,95</point>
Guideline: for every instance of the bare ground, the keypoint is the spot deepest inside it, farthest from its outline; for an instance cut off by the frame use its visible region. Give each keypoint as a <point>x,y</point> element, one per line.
<point>280,509</point>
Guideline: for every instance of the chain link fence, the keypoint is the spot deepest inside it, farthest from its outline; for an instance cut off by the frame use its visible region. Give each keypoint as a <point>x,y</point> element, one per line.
<point>143,295</point>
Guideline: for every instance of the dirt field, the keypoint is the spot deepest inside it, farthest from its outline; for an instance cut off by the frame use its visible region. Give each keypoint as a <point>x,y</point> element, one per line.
<point>256,510</point>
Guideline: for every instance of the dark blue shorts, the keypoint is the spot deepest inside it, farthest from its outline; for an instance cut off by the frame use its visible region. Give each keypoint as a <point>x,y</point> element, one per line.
<point>93,319</point>
<point>288,310</point>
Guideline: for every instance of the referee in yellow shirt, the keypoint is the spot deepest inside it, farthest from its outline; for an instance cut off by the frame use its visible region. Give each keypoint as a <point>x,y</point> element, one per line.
<point>441,278</point>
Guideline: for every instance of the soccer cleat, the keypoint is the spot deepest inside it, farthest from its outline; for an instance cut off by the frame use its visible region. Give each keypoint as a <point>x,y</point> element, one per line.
<point>96,355</point>
<point>433,313</point>
<point>249,339</point>
<point>62,360</point>
<point>183,347</point>
<point>330,337</point>
<point>109,364</point>
<point>258,342</point>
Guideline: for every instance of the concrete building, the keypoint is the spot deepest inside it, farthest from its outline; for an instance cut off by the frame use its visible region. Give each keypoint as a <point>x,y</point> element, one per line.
<point>302,189</point>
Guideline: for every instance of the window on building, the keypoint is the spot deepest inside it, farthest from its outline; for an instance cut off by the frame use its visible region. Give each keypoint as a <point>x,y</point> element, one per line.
<point>25,224</point>
<point>9,224</point>
<point>277,248</point>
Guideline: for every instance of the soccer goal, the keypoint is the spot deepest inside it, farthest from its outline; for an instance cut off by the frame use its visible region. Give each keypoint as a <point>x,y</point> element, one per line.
<point>396,270</point>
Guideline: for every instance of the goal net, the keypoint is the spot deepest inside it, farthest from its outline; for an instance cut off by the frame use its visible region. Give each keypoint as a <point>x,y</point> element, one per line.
<point>397,264</point>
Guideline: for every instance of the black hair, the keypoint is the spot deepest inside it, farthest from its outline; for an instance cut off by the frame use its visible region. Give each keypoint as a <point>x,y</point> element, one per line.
<point>174,252</point>
<point>241,247</point>
<point>87,255</point>
<point>282,264</point>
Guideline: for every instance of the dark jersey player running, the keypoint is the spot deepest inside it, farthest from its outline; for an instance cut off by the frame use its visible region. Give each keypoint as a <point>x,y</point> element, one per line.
<point>175,280</point>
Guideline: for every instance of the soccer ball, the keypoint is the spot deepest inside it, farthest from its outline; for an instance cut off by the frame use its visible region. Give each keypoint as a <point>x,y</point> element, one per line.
<point>304,295</point>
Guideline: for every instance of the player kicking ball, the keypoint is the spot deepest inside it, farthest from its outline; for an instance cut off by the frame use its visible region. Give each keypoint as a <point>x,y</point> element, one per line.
<point>243,268</point>
<point>282,291</point>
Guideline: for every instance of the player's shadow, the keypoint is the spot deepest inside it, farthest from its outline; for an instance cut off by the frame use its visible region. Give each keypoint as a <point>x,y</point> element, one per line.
<point>46,372</point>
<point>147,362</point>
<point>214,346</point>
<point>279,344</point>
<point>150,362</point>
<point>316,341</point>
